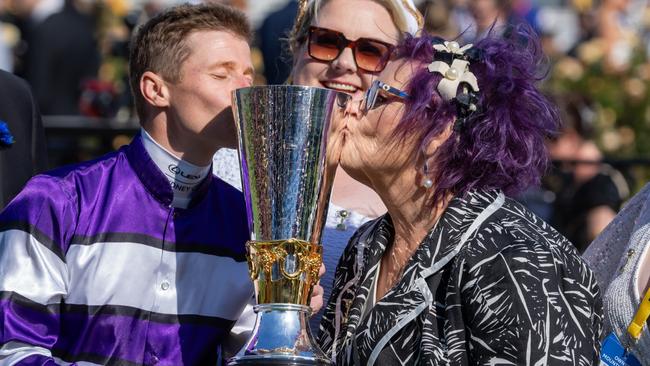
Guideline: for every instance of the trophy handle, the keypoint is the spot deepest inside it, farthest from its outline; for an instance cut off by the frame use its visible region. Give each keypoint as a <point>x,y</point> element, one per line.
<point>297,270</point>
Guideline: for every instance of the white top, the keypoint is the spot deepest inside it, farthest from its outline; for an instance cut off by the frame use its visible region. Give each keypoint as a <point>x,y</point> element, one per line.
<point>225,165</point>
<point>615,257</point>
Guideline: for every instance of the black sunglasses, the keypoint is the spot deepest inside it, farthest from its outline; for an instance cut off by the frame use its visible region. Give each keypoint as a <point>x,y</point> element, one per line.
<point>369,54</point>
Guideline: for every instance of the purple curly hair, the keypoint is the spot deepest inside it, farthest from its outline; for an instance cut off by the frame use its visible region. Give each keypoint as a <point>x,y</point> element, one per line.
<point>503,146</point>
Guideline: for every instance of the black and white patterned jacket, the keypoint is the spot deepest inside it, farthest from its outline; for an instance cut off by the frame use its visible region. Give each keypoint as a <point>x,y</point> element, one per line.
<point>491,284</point>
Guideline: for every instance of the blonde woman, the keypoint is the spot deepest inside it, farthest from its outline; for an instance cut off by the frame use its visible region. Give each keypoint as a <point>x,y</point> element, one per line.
<point>341,45</point>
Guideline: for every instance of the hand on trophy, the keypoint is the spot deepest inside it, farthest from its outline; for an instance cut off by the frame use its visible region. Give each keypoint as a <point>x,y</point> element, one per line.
<point>316,302</point>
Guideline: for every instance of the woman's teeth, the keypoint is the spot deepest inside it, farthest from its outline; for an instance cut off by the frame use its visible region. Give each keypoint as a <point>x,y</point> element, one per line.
<point>339,86</point>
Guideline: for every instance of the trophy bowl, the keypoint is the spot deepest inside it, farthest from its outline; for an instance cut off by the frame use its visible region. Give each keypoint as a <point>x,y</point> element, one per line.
<point>283,132</point>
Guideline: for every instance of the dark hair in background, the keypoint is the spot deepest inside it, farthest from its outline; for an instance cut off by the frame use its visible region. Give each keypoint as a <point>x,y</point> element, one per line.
<point>578,113</point>
<point>160,44</point>
<point>503,145</point>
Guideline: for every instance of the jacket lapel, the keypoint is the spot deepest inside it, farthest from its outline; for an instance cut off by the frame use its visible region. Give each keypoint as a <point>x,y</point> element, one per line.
<point>411,296</point>
<point>372,248</point>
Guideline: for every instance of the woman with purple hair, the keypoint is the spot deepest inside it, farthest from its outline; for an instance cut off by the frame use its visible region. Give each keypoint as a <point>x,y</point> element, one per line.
<point>456,272</point>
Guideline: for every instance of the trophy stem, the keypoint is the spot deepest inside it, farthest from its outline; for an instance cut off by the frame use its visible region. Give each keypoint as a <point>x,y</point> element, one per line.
<point>281,337</point>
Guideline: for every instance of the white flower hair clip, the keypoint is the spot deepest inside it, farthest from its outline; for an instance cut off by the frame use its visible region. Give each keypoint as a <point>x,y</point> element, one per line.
<point>457,76</point>
<point>452,47</point>
<point>454,74</point>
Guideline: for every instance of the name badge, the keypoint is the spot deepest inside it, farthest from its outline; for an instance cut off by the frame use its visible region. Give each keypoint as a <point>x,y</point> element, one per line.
<point>612,353</point>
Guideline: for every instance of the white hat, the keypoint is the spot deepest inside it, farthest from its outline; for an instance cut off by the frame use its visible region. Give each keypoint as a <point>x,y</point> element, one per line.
<point>414,20</point>
<point>408,13</point>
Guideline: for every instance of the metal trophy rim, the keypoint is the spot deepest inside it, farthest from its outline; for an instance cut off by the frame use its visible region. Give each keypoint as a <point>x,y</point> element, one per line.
<point>284,86</point>
<point>273,360</point>
<point>282,306</point>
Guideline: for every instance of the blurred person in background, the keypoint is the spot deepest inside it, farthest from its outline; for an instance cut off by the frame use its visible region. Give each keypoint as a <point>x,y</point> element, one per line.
<point>559,24</point>
<point>109,95</point>
<point>438,19</point>
<point>271,36</point>
<point>62,53</point>
<point>496,17</point>
<point>25,15</point>
<point>323,56</point>
<point>57,55</point>
<point>617,35</point>
<point>486,15</point>
<point>26,155</point>
<point>588,193</point>
<point>587,27</point>
<point>9,37</point>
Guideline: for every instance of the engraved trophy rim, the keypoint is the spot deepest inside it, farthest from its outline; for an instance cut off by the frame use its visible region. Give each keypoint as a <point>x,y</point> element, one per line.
<point>285,86</point>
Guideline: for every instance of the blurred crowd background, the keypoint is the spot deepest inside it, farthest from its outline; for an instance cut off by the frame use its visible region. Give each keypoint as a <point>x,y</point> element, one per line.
<point>74,55</point>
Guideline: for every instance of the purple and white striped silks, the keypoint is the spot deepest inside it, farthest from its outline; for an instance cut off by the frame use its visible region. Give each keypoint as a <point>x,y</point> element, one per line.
<point>96,268</point>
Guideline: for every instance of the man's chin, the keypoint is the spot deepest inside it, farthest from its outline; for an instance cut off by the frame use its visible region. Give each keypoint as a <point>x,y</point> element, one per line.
<point>228,145</point>
<point>219,137</point>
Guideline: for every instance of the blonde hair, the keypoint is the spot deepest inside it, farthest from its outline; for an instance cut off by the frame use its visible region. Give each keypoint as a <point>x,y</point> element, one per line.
<point>401,11</point>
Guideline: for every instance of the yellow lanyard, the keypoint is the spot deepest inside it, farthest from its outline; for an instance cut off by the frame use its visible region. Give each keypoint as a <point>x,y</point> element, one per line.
<point>640,317</point>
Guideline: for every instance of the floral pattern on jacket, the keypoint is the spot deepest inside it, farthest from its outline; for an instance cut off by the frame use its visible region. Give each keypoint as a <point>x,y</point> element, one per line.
<point>490,284</point>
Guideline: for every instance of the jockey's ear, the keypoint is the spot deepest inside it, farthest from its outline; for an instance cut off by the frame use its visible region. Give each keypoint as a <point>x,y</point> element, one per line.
<point>154,89</point>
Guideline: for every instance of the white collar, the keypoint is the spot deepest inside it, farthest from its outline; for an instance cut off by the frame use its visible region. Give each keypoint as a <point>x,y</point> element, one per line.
<point>183,176</point>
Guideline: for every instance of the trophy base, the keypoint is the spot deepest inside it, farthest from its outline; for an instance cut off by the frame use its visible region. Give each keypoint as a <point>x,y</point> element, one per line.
<point>288,361</point>
<point>281,337</point>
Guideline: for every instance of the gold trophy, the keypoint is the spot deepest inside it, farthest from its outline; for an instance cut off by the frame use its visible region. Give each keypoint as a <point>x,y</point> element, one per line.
<point>283,131</point>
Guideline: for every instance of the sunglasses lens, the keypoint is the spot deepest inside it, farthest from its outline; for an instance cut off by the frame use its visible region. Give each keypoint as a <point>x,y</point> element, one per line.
<point>342,99</point>
<point>369,99</point>
<point>371,55</point>
<point>364,101</point>
<point>324,45</point>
